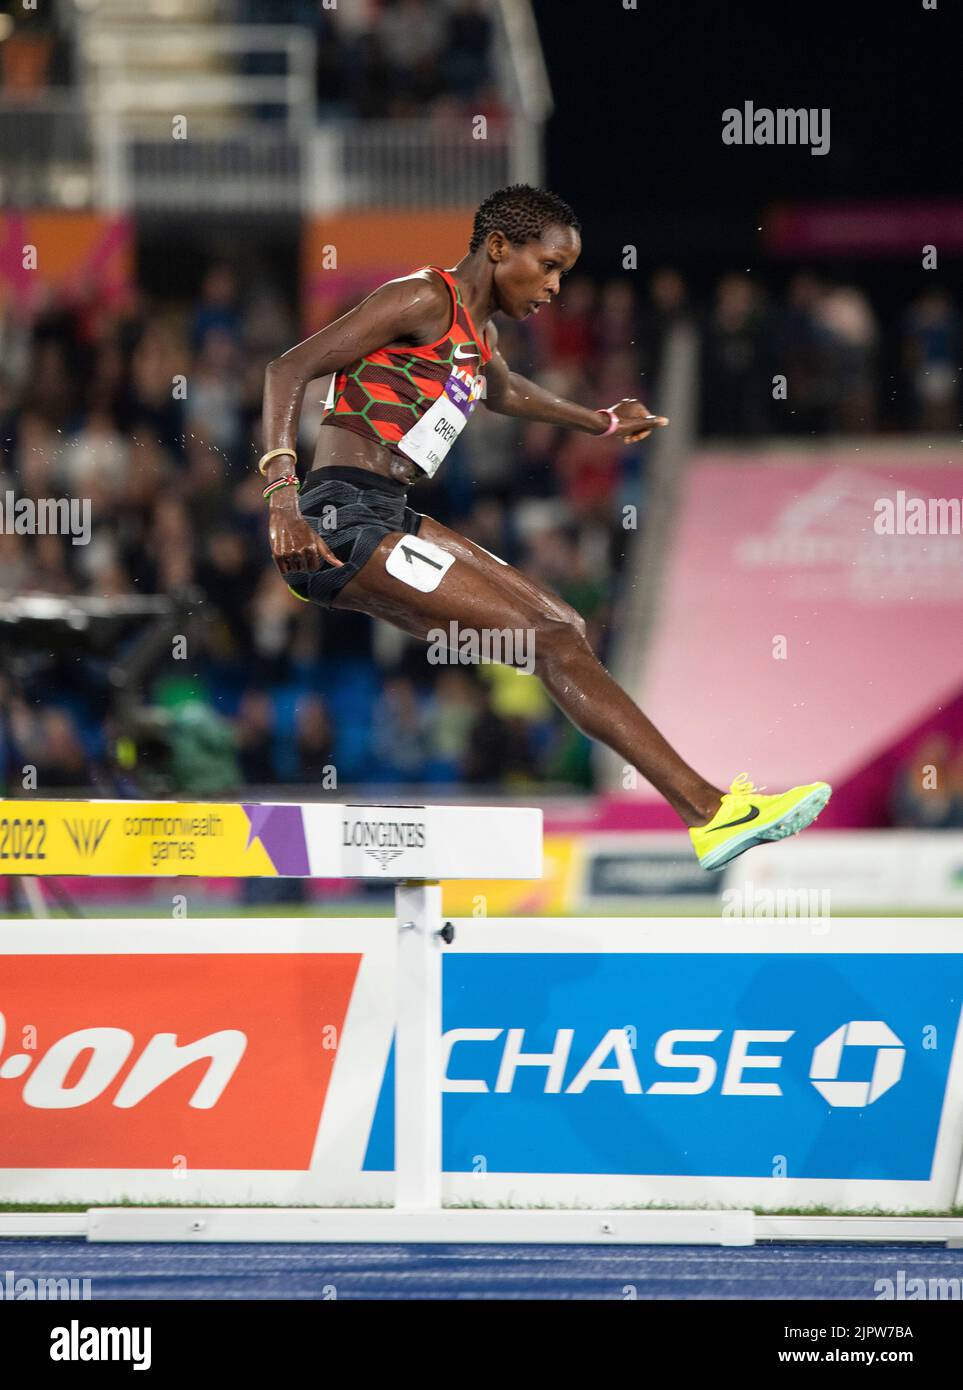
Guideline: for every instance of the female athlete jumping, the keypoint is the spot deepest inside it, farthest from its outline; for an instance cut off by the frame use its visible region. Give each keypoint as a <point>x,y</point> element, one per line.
<point>411,361</point>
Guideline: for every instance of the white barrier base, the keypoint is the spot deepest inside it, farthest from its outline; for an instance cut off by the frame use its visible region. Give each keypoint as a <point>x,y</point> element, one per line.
<point>940,1230</point>
<point>444,1226</point>
<point>947,1230</point>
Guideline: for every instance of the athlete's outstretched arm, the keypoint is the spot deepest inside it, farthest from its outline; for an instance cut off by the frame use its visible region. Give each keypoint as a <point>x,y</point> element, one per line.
<point>507,393</point>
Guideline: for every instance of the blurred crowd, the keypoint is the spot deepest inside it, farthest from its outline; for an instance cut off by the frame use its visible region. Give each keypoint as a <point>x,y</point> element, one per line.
<point>390,58</point>
<point>817,359</point>
<point>152,411</point>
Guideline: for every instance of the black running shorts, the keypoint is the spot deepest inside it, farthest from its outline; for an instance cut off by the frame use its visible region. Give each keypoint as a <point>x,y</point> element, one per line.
<point>352,510</point>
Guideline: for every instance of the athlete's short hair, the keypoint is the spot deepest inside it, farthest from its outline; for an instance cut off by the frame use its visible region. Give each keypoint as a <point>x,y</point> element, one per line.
<point>522,213</point>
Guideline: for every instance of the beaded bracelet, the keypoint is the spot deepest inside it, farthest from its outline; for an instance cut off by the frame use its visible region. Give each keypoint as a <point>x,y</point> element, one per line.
<point>285,480</point>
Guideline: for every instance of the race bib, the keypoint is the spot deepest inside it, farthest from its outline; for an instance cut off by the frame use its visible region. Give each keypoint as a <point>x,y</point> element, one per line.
<point>427,443</point>
<point>419,563</point>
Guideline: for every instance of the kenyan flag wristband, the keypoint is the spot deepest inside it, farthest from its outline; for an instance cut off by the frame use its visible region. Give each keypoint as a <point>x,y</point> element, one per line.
<point>285,480</point>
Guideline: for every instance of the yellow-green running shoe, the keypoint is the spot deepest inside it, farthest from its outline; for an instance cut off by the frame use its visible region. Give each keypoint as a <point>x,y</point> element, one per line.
<point>747,818</point>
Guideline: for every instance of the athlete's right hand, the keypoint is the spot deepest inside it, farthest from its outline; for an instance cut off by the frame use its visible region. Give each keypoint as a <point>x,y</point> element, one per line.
<point>635,420</point>
<point>294,545</point>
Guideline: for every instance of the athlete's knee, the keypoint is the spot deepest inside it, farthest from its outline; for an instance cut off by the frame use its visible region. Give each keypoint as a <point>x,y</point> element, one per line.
<point>558,635</point>
<point>578,622</point>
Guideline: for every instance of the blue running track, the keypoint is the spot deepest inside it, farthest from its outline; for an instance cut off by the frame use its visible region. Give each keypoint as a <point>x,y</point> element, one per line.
<point>766,1271</point>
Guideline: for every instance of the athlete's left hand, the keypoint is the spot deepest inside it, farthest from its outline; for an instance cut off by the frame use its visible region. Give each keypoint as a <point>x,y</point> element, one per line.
<point>631,414</point>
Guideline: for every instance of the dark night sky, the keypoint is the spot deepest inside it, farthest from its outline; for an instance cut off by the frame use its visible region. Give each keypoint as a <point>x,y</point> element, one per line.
<point>635,142</point>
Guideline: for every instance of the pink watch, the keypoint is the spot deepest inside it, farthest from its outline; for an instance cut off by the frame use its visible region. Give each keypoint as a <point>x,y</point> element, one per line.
<point>613,421</point>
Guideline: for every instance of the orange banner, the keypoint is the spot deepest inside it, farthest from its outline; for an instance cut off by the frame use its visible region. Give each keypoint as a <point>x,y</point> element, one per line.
<point>70,255</point>
<point>346,255</point>
<point>167,1061</point>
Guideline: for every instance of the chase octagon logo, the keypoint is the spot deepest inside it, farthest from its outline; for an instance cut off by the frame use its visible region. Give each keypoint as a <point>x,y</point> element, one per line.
<point>828,1056</point>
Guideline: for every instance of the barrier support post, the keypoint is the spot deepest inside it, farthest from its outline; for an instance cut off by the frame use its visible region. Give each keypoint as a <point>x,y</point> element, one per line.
<point>418,1047</point>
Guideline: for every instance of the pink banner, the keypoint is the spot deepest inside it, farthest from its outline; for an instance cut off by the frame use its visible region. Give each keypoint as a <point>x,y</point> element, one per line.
<point>811,615</point>
<point>864,228</point>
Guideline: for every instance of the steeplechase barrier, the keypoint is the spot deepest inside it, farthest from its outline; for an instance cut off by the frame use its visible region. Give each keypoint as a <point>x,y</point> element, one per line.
<point>604,1080</point>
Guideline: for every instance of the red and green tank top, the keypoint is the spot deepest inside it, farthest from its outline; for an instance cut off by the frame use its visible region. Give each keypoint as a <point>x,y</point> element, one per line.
<point>416,400</point>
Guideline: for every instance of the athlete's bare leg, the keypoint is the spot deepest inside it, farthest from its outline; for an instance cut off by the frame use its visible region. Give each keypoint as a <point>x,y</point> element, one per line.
<point>479,592</point>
